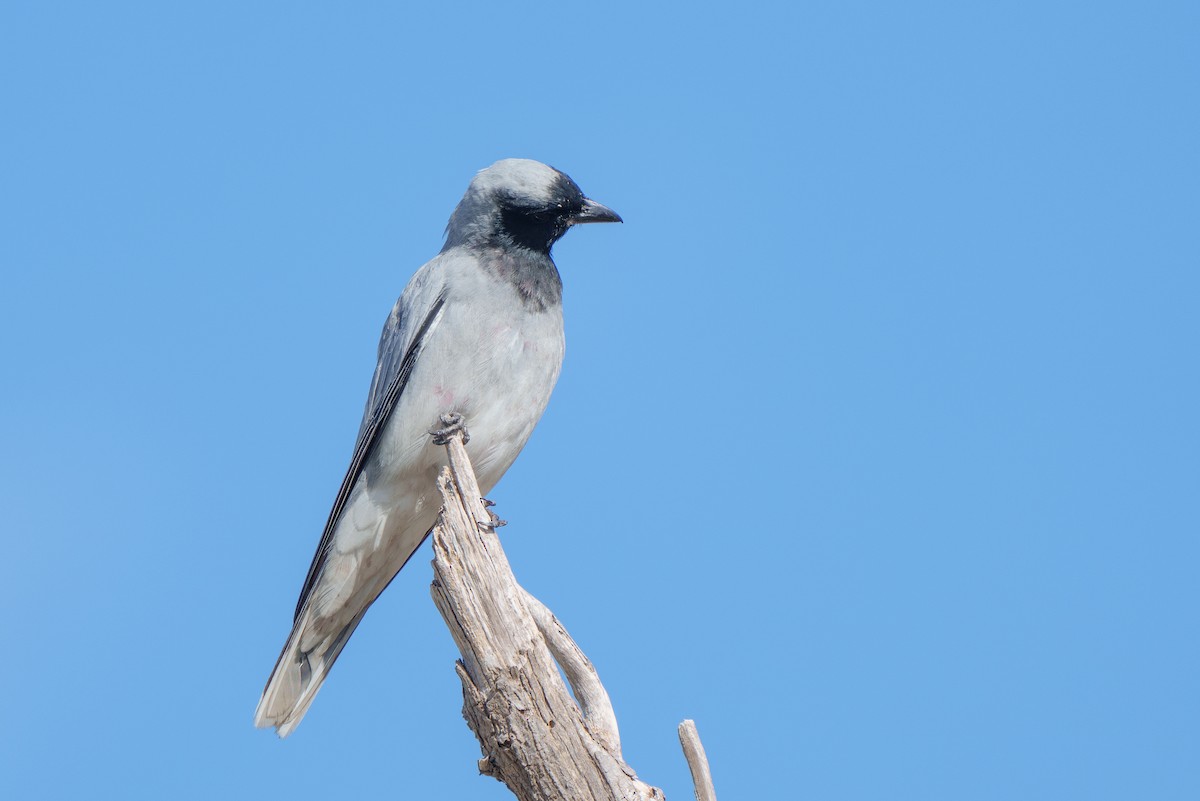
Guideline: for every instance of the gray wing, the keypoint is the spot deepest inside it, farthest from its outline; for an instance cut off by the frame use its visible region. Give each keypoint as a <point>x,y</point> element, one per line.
<point>399,346</point>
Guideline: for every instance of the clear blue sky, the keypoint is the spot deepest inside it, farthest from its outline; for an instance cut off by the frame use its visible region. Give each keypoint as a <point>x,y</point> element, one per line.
<point>876,449</point>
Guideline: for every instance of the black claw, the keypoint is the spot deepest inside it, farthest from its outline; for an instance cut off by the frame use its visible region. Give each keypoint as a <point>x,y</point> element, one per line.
<point>452,424</point>
<point>496,521</point>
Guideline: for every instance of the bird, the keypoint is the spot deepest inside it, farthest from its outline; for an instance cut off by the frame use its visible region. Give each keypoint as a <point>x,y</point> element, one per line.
<point>474,343</point>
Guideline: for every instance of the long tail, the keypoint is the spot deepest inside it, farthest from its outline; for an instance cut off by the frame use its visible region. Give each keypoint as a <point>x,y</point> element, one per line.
<point>298,675</point>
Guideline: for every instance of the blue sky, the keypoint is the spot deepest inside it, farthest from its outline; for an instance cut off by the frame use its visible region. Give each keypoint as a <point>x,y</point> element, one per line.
<point>875,451</point>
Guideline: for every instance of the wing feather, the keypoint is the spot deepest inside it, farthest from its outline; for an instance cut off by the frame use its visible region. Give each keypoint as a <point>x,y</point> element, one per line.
<point>391,377</point>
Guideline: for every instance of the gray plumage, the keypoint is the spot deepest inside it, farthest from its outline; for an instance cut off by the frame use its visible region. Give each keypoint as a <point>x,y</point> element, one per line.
<point>477,332</point>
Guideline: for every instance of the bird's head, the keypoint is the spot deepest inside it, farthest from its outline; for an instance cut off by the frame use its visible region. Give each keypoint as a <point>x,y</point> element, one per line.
<point>522,203</point>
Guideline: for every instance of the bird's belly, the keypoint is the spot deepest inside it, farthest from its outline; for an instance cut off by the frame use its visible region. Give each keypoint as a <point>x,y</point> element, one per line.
<point>498,376</point>
<point>501,385</point>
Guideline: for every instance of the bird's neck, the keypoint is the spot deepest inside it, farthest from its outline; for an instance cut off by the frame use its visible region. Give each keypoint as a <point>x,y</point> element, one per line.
<point>531,273</point>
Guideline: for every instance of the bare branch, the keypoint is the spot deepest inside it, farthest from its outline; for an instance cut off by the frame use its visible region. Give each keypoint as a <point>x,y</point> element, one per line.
<point>597,710</point>
<point>534,737</point>
<point>537,740</point>
<point>693,750</point>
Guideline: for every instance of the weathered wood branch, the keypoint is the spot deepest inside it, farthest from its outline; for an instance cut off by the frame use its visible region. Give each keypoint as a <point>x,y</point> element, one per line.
<point>693,751</point>
<point>534,736</point>
<point>590,694</point>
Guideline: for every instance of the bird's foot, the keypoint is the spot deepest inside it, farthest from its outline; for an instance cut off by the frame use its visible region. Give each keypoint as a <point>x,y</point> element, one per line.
<point>452,424</point>
<point>495,518</point>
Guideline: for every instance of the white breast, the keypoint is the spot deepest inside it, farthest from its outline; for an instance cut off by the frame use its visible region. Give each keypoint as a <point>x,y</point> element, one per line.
<point>488,358</point>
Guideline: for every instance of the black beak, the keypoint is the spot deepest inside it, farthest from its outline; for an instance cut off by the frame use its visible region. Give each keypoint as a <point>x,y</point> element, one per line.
<point>593,212</point>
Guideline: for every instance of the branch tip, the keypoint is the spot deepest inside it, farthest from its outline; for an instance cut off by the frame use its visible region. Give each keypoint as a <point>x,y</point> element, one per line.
<point>693,751</point>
